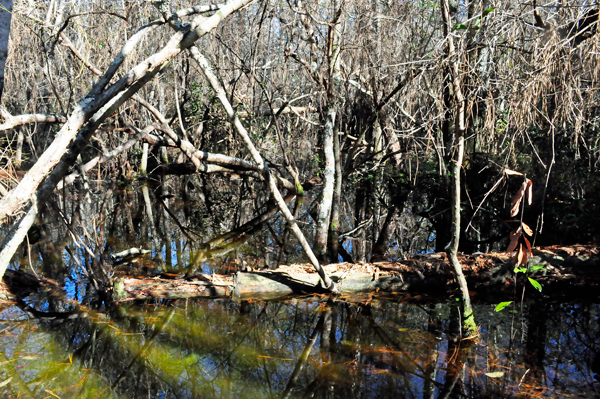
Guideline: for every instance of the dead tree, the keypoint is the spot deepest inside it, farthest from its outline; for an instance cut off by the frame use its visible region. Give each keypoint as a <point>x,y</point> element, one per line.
<point>20,206</point>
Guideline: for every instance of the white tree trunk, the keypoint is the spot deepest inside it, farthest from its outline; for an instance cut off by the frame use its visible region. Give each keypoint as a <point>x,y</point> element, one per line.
<point>329,180</point>
<point>6,7</point>
<point>99,103</point>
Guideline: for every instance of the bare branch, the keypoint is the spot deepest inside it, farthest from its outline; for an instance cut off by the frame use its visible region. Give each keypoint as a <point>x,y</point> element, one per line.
<point>11,121</point>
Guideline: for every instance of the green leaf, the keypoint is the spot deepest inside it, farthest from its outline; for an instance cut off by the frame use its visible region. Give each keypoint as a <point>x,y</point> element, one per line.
<point>535,284</point>
<point>520,270</point>
<point>486,12</point>
<point>460,26</point>
<point>495,374</point>
<point>535,268</point>
<point>502,305</point>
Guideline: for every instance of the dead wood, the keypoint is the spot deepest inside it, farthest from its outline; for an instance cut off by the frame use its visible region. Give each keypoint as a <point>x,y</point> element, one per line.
<point>570,273</point>
<point>11,121</point>
<point>100,102</point>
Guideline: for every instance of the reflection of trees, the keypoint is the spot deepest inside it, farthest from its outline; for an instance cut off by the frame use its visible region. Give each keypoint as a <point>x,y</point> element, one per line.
<point>177,218</point>
<point>213,349</point>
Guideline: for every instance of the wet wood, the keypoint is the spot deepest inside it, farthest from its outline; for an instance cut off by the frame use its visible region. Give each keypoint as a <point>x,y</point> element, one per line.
<point>572,272</point>
<point>165,288</point>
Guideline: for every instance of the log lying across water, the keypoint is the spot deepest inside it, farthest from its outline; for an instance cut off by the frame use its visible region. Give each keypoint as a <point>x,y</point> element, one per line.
<point>568,271</point>
<point>572,272</point>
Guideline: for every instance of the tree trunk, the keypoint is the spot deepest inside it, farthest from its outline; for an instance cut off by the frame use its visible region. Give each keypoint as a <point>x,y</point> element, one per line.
<point>469,328</point>
<point>6,8</point>
<point>334,226</point>
<point>97,105</point>
<point>329,179</point>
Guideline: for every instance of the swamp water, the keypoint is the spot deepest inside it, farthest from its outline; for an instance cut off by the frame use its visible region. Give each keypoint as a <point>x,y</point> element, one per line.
<point>350,347</point>
<point>302,347</point>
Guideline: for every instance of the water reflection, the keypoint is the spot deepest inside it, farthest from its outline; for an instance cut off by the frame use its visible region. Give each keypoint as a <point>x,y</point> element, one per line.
<point>308,347</point>
<point>304,347</point>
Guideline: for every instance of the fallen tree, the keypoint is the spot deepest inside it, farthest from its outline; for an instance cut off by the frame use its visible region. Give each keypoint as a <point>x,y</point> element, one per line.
<point>20,205</point>
<point>569,272</point>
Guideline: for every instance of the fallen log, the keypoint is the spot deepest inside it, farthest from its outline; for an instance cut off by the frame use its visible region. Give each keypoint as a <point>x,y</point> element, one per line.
<point>569,272</point>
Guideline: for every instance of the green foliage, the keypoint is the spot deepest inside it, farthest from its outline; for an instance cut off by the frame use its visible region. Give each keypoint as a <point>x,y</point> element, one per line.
<point>502,305</point>
<point>535,284</point>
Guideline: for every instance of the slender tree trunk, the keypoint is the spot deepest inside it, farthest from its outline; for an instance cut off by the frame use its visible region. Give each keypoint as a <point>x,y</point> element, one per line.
<point>333,68</point>
<point>328,186</point>
<point>334,226</point>
<point>469,328</point>
<point>361,214</point>
<point>144,163</point>
<point>6,8</point>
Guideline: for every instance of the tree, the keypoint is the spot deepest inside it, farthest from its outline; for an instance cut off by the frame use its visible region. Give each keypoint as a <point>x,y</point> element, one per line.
<point>100,102</point>
<point>6,8</point>
<point>361,99</point>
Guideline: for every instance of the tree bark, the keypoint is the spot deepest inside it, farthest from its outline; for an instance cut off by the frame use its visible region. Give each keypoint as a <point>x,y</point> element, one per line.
<point>469,328</point>
<point>334,226</point>
<point>98,104</point>
<point>6,8</point>
<point>323,218</point>
<point>11,121</point>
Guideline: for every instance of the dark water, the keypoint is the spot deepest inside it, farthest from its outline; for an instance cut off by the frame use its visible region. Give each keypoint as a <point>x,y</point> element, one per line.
<point>358,347</point>
<point>303,347</point>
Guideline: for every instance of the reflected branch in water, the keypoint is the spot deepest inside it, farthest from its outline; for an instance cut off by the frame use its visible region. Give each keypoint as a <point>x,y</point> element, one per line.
<point>177,222</point>
<point>145,348</point>
<point>227,242</point>
<point>151,225</point>
<point>459,354</point>
<point>325,316</point>
<point>287,231</point>
<point>409,364</point>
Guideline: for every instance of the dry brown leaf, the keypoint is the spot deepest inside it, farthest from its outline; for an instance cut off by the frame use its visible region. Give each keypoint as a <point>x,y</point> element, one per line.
<point>514,240</point>
<point>527,230</point>
<point>512,173</point>
<point>514,210</point>
<point>516,201</point>
<point>512,245</point>
<point>520,255</point>
<point>529,192</point>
